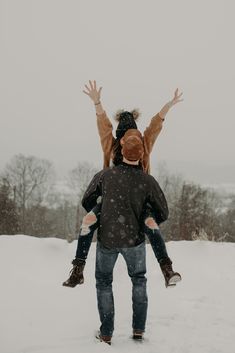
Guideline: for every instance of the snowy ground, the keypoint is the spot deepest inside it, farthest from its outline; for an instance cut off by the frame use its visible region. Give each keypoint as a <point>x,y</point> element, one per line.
<point>38,315</point>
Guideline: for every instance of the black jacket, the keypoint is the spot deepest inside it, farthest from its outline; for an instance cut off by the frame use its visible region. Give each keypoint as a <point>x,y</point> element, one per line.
<point>125,190</point>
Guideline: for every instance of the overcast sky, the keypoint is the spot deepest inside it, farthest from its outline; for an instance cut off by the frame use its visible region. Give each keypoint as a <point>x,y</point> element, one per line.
<point>139,52</point>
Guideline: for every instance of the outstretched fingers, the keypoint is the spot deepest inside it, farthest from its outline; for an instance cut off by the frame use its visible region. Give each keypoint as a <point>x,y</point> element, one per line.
<point>88,91</point>
<point>177,96</point>
<point>91,85</point>
<point>91,91</point>
<point>91,88</point>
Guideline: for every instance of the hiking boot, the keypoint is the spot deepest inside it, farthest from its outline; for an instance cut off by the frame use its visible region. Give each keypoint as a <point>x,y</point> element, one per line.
<point>102,338</point>
<point>138,335</point>
<point>171,277</point>
<point>76,274</point>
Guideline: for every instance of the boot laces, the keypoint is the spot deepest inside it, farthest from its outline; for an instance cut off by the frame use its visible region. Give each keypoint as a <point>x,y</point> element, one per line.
<point>169,268</point>
<point>75,271</point>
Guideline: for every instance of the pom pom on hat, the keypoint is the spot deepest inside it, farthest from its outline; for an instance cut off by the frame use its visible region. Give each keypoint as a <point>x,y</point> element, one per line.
<point>135,113</point>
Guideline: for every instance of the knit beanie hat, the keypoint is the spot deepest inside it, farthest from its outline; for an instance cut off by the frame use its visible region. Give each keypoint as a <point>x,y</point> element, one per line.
<point>132,148</point>
<point>126,121</point>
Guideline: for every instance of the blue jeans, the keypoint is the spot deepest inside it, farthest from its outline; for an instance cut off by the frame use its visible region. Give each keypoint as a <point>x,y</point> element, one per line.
<point>135,258</point>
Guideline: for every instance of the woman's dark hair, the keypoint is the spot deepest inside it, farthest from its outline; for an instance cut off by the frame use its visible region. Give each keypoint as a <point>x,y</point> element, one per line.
<point>117,152</point>
<point>126,120</point>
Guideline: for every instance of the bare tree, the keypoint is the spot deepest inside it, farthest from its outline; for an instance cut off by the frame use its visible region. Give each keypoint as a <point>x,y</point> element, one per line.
<point>228,219</point>
<point>194,212</point>
<point>172,187</point>
<point>8,213</point>
<point>78,180</point>
<point>198,212</point>
<point>29,178</point>
<point>63,204</point>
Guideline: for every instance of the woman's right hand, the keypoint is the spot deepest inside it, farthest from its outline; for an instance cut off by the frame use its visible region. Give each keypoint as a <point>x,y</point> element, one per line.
<point>92,92</point>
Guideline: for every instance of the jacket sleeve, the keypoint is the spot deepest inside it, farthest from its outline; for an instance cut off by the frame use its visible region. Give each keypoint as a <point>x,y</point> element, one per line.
<point>151,133</point>
<point>158,201</point>
<point>105,129</point>
<point>92,192</point>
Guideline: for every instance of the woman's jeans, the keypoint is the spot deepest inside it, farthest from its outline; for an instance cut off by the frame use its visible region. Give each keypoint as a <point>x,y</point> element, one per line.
<point>135,258</point>
<point>88,228</point>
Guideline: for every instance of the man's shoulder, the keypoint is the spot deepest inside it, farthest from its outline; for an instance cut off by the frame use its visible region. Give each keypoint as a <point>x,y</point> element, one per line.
<point>102,172</point>
<point>150,177</point>
<point>151,180</point>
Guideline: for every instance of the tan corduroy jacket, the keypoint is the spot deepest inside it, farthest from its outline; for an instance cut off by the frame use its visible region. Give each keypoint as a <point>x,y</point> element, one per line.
<point>107,139</point>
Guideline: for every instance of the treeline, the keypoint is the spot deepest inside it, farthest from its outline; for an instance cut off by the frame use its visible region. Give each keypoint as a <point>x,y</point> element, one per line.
<point>33,203</point>
<point>197,212</point>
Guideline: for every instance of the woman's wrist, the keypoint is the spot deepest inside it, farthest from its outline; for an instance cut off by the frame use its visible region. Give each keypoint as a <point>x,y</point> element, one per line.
<point>164,110</point>
<point>162,116</point>
<point>98,107</point>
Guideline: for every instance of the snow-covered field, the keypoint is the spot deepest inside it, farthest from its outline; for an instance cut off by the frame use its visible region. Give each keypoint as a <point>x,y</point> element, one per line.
<point>38,315</point>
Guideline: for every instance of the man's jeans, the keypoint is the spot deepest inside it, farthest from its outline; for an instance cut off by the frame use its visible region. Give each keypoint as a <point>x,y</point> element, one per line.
<point>135,258</point>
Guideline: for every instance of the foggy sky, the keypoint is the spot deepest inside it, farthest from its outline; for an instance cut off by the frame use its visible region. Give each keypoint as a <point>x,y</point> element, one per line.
<point>139,52</point>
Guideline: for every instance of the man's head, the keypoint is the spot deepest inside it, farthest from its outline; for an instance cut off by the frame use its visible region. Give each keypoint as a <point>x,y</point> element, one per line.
<point>126,120</point>
<point>132,145</point>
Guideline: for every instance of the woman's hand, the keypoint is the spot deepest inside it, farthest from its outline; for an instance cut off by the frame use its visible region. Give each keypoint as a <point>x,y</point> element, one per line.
<point>176,98</point>
<point>170,104</point>
<point>92,92</point>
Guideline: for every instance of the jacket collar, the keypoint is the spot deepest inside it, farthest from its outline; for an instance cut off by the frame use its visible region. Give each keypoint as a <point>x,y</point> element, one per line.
<point>131,165</point>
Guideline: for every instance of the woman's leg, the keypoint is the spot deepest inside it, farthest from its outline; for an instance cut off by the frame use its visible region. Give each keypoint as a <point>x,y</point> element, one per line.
<point>89,224</point>
<point>157,242</point>
<point>154,235</point>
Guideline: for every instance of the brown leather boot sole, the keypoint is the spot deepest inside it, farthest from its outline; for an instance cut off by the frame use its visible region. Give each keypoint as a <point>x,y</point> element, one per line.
<point>138,335</point>
<point>174,279</point>
<point>105,339</point>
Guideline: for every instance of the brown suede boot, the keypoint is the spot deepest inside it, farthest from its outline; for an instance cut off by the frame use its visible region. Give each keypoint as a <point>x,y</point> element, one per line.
<point>105,339</point>
<point>171,277</point>
<point>138,335</point>
<point>76,274</point>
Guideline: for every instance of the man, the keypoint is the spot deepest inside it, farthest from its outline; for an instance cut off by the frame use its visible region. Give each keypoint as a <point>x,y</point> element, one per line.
<point>125,190</point>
